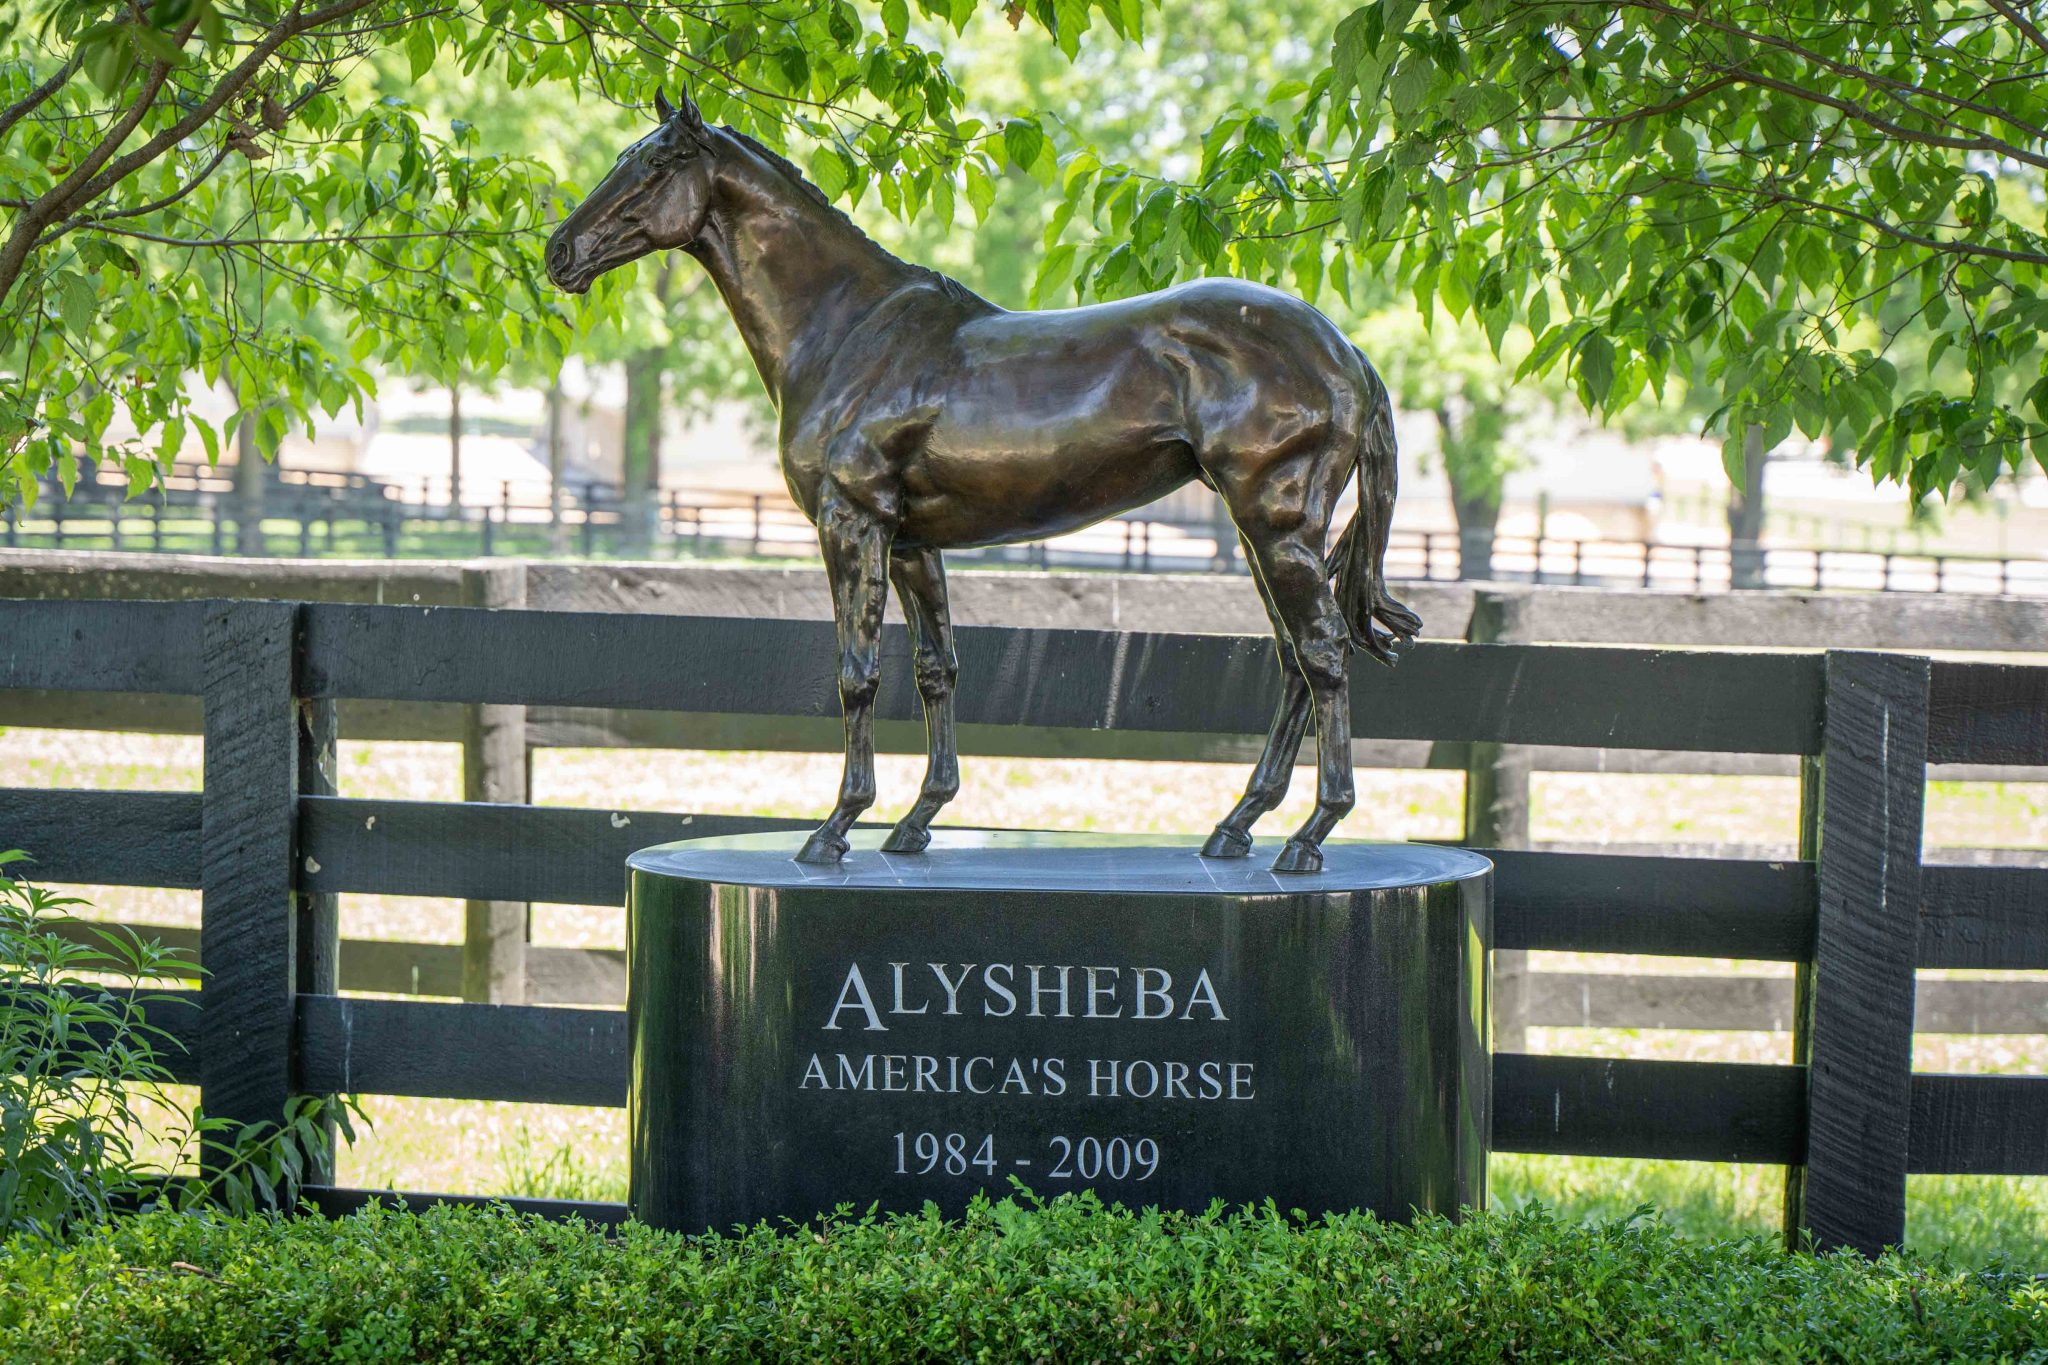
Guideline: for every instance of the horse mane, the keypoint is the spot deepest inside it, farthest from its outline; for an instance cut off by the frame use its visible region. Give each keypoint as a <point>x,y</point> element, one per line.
<point>782,166</point>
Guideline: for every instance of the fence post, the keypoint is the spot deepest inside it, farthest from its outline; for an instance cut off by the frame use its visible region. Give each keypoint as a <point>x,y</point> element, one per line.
<point>1854,1028</point>
<point>248,818</point>
<point>494,769</point>
<point>1497,806</point>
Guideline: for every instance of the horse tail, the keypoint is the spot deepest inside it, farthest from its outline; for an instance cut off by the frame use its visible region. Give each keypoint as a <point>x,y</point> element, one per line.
<point>1357,562</point>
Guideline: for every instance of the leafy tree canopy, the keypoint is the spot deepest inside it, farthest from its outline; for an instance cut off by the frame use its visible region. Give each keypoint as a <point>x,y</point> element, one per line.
<point>1821,217</point>
<point>1790,191</point>
<point>177,176</point>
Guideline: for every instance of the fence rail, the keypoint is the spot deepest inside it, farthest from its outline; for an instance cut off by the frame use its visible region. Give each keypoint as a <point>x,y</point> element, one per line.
<point>308,514</point>
<point>270,846</point>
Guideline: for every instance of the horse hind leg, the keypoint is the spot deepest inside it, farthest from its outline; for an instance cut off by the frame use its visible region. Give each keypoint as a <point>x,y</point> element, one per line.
<point>1268,785</point>
<point>920,578</point>
<point>1290,566</point>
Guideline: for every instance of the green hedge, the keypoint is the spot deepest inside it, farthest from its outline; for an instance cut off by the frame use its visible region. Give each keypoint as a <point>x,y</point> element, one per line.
<point>1069,1281</point>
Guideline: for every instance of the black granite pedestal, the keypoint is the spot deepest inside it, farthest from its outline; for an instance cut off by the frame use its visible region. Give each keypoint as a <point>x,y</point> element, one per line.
<point>1074,1011</point>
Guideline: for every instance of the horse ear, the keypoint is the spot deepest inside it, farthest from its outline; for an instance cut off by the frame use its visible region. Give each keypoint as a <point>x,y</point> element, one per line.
<point>691,118</point>
<point>663,110</point>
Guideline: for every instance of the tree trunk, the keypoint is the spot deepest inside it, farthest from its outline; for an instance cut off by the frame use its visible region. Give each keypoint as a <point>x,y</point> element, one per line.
<point>455,448</point>
<point>641,474</point>
<point>1477,511</point>
<point>557,537</point>
<point>1746,516</point>
<point>249,481</point>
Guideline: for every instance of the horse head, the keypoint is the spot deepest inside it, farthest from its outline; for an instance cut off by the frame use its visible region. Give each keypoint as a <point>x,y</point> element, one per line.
<point>655,199</point>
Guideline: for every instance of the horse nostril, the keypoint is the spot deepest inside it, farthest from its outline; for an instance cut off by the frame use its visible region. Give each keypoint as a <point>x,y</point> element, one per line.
<point>557,257</point>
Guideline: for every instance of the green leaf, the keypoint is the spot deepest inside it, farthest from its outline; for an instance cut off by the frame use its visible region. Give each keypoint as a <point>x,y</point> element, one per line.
<point>420,49</point>
<point>1596,368</point>
<point>1200,232</point>
<point>981,191</point>
<point>1022,142</point>
<point>1056,269</point>
<point>156,44</point>
<point>1070,21</point>
<point>896,18</point>
<point>830,171</point>
<point>77,302</point>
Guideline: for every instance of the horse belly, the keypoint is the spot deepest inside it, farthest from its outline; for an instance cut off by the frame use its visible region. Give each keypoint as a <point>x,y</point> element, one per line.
<point>959,496</point>
<point>1030,451</point>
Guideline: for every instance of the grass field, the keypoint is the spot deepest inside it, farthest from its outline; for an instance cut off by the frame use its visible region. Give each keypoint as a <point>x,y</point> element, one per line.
<point>565,1152</point>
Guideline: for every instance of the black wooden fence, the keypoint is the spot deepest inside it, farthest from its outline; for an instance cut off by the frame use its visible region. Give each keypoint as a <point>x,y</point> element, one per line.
<point>269,846</point>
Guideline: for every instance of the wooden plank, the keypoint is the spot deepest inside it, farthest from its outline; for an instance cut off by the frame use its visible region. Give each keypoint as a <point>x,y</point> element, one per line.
<point>1691,907</point>
<point>1680,907</point>
<point>1987,713</point>
<point>558,727</point>
<point>1763,1003</point>
<point>87,575</point>
<point>155,713</point>
<point>101,646</point>
<point>1989,917</point>
<point>1659,1001</point>
<point>248,933</point>
<point>1979,1125</point>
<point>175,1013</point>
<point>1140,601</point>
<point>1802,620</point>
<point>1615,698</point>
<point>1857,1034</point>
<point>333,1202</point>
<point>561,976</point>
<point>105,838</point>
<point>531,1054</point>
<point>1683,1111</point>
<point>536,853</point>
<point>152,713</point>
<point>597,976</point>
<point>183,943</point>
<point>577,727</point>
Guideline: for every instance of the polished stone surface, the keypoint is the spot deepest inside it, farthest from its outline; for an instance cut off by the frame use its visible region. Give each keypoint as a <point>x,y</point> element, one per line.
<point>1067,1010</point>
<point>966,860</point>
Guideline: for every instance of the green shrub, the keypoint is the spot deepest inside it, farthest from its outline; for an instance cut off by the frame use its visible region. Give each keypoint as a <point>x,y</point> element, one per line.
<point>81,1070</point>
<point>1066,1281</point>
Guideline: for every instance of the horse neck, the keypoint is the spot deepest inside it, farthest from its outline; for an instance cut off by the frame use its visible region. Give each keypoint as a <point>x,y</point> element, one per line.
<point>795,274</point>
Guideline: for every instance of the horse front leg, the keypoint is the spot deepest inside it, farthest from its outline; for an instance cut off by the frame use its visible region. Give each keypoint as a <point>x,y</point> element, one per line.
<point>920,578</point>
<point>855,545</point>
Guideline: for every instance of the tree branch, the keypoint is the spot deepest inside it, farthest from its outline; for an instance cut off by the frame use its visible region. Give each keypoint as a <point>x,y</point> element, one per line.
<point>19,109</point>
<point>2020,21</point>
<point>98,174</point>
<point>29,226</point>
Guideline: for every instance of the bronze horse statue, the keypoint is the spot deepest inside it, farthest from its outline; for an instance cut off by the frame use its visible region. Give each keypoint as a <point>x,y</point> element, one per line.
<point>918,417</point>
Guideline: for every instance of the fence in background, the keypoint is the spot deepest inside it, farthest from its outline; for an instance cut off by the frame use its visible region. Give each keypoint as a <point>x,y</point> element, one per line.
<point>495,964</point>
<point>307,514</point>
<point>269,846</point>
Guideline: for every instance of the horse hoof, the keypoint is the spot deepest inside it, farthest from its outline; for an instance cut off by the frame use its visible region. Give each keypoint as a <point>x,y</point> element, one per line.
<point>822,848</point>
<point>907,839</point>
<point>1299,857</point>
<point>1227,843</point>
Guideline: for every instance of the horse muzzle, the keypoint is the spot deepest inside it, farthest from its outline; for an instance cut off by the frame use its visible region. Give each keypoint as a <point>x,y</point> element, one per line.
<point>562,266</point>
